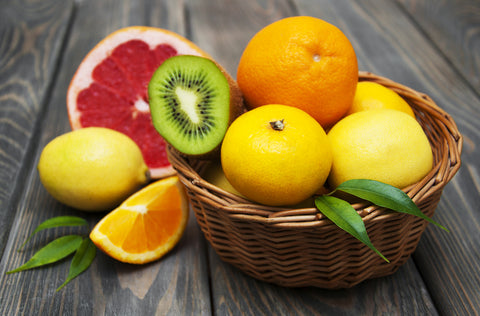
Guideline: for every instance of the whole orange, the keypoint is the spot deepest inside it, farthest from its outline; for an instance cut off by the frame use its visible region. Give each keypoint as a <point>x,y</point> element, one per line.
<point>276,155</point>
<point>303,62</point>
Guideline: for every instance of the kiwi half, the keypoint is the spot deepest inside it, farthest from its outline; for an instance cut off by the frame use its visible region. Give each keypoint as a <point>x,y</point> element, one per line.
<point>192,103</point>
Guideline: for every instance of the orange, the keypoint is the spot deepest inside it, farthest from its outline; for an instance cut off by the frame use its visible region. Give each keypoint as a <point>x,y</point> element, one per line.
<point>145,226</point>
<point>371,95</point>
<point>276,155</point>
<point>109,88</point>
<point>303,62</point>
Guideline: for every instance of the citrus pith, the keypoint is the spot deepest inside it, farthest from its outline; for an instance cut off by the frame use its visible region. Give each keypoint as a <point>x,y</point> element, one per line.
<point>145,226</point>
<point>276,155</point>
<point>109,88</point>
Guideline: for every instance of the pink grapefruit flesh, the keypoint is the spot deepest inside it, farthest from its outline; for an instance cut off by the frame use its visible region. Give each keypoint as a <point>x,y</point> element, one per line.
<point>109,88</point>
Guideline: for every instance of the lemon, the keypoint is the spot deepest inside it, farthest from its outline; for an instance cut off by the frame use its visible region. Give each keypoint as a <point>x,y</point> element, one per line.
<point>383,144</point>
<point>214,174</point>
<point>92,169</point>
<point>276,155</point>
<point>372,95</point>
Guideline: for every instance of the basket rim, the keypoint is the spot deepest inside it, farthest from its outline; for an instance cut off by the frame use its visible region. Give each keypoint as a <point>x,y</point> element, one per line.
<point>445,167</point>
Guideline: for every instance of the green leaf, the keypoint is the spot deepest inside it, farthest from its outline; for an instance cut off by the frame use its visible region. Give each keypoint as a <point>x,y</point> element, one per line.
<point>384,195</point>
<point>346,217</point>
<point>81,261</point>
<point>57,222</point>
<point>52,252</point>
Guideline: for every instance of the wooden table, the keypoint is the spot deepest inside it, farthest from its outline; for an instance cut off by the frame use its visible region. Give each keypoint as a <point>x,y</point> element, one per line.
<point>431,46</point>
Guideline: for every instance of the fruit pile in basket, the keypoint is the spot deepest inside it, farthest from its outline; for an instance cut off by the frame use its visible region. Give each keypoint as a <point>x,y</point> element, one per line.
<point>295,128</point>
<point>299,79</point>
<point>309,130</point>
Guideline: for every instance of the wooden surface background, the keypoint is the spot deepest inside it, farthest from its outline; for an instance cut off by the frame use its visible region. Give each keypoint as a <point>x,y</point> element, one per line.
<point>431,46</point>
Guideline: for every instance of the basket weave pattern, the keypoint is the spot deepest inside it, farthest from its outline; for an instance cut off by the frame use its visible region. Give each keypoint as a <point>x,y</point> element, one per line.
<point>301,247</point>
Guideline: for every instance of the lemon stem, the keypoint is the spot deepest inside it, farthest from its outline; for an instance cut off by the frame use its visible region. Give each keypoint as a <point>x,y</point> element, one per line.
<point>277,125</point>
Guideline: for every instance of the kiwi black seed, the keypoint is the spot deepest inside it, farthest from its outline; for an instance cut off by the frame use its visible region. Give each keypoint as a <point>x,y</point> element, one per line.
<point>192,103</point>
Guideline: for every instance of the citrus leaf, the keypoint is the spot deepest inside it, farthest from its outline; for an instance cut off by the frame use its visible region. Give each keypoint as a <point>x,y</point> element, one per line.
<point>58,221</point>
<point>82,259</point>
<point>384,195</point>
<point>52,252</point>
<point>342,214</point>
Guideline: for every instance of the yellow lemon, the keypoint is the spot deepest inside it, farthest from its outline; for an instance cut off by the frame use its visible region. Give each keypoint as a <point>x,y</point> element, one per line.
<point>372,95</point>
<point>383,144</point>
<point>214,174</point>
<point>92,169</point>
<point>276,155</point>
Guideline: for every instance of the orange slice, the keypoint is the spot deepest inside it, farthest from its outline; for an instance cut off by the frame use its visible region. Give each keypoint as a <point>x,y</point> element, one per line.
<point>145,226</point>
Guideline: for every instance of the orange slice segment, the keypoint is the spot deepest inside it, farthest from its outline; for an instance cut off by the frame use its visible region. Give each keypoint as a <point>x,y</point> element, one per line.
<point>145,226</point>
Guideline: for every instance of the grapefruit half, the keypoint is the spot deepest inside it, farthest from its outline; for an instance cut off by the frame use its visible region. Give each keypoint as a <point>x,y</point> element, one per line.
<point>109,88</point>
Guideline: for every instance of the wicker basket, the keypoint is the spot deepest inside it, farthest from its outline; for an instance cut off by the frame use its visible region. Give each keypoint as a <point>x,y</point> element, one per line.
<point>301,247</point>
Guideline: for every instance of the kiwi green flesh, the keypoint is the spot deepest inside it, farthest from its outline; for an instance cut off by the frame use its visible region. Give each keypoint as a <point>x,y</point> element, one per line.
<point>189,101</point>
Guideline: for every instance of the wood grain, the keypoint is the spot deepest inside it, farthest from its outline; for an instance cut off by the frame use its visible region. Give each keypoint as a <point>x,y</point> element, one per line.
<point>431,47</point>
<point>453,27</point>
<point>31,37</point>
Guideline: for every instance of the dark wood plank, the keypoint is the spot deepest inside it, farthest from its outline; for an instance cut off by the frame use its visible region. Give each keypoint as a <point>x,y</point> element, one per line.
<point>179,283</point>
<point>389,43</point>
<point>31,36</point>
<point>449,262</point>
<point>235,293</point>
<point>175,285</point>
<point>453,26</point>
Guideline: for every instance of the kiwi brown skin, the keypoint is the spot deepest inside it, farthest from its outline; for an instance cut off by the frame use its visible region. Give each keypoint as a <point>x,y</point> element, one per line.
<point>236,108</point>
